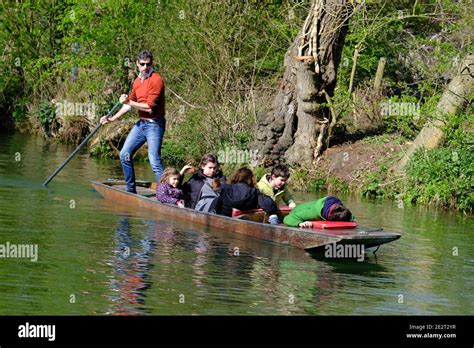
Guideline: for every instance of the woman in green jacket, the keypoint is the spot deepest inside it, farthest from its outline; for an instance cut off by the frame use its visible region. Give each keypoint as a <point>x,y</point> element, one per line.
<point>328,208</point>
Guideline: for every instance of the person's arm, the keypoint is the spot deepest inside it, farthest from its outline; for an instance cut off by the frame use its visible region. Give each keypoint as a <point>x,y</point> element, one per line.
<point>139,106</point>
<point>293,220</point>
<point>123,110</point>
<point>185,169</point>
<point>288,198</point>
<point>266,203</point>
<point>131,101</point>
<point>155,92</point>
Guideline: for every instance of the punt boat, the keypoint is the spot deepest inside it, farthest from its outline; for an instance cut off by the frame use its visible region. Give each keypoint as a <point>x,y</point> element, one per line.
<point>252,224</point>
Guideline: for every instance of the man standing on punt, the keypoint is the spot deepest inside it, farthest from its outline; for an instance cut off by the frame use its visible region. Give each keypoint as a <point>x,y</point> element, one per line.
<point>148,97</point>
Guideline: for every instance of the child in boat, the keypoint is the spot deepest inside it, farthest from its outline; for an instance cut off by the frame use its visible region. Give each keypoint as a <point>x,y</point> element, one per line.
<point>241,193</point>
<point>168,190</point>
<point>274,185</point>
<point>203,188</point>
<point>328,208</point>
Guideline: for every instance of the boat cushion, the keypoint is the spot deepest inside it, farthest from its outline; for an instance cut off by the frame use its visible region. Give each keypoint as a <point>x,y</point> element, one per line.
<point>324,224</point>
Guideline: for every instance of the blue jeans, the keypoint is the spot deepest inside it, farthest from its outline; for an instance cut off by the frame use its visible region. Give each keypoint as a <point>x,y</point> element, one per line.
<point>143,131</point>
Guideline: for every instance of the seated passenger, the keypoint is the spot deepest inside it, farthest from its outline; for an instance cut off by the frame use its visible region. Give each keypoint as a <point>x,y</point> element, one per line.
<point>203,188</point>
<point>328,208</point>
<point>242,194</point>
<point>274,186</point>
<point>168,190</point>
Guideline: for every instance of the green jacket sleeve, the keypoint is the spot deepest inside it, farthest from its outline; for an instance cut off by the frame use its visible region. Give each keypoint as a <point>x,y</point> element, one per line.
<point>292,220</point>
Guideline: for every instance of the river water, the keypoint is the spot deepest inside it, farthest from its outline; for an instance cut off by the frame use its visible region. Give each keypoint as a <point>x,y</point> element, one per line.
<point>95,257</point>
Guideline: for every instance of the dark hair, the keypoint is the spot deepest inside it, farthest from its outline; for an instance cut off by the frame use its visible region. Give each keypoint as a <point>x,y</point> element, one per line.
<point>244,175</point>
<point>281,170</point>
<point>340,213</point>
<point>208,157</point>
<point>145,54</point>
<point>167,173</point>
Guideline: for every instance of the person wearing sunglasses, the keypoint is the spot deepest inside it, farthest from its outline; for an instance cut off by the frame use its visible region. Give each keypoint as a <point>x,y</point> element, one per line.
<point>148,98</point>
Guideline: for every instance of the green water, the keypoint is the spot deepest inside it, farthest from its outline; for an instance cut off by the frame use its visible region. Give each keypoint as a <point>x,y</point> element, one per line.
<point>98,258</point>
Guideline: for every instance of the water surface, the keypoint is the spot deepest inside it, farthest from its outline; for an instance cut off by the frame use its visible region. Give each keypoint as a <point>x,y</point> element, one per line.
<point>96,257</point>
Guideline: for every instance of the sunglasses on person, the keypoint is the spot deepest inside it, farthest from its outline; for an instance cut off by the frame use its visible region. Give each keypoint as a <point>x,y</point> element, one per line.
<point>143,64</point>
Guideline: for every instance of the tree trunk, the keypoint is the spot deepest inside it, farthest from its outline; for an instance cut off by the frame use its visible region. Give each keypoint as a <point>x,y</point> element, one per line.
<point>296,126</point>
<point>453,99</point>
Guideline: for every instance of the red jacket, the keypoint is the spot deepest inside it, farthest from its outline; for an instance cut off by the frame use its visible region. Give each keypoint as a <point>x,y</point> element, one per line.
<point>152,92</point>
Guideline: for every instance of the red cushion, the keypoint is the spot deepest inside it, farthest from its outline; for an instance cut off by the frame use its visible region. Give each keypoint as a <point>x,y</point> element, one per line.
<point>323,224</point>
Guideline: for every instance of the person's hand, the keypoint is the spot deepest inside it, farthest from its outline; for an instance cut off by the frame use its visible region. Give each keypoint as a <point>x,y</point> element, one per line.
<point>104,120</point>
<point>292,205</point>
<point>187,168</point>
<point>123,99</point>
<point>180,203</point>
<point>306,224</point>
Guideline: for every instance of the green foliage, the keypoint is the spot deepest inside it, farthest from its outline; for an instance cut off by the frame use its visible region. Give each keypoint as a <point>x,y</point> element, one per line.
<point>442,176</point>
<point>401,115</point>
<point>184,143</point>
<point>316,184</point>
<point>427,41</point>
<point>459,128</point>
<point>174,153</point>
<point>335,184</point>
<point>102,150</point>
<point>259,172</point>
<point>19,114</point>
<point>214,54</point>
<point>371,187</point>
<point>47,117</point>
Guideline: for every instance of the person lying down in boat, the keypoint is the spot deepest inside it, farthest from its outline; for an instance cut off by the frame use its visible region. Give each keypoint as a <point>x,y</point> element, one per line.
<point>328,208</point>
<point>169,188</point>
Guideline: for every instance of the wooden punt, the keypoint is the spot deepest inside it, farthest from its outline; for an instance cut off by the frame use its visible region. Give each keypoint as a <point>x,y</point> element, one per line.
<point>249,225</point>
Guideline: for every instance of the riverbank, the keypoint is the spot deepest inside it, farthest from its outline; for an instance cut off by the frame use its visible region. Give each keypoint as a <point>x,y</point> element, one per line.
<point>441,177</point>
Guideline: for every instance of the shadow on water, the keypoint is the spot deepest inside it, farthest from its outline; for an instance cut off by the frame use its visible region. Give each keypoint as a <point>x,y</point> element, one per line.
<point>368,266</point>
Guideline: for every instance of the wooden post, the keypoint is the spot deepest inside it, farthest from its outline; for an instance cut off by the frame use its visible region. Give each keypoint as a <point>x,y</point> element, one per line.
<point>379,74</point>
<point>354,64</point>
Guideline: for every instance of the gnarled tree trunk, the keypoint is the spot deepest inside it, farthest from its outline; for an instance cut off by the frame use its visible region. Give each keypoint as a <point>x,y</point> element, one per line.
<point>296,127</point>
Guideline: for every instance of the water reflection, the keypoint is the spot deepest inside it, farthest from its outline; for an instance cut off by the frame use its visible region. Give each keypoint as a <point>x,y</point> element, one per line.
<point>131,264</point>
